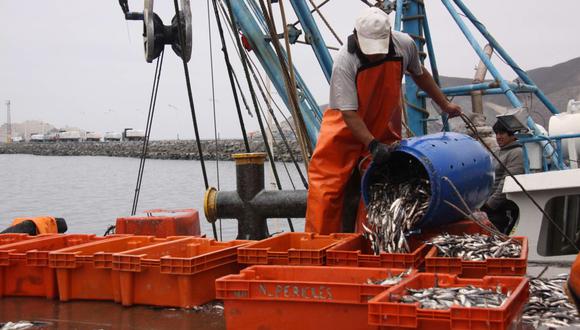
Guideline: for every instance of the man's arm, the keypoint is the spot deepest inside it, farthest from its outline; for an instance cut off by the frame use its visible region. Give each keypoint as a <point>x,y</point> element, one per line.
<point>358,128</point>
<point>425,82</point>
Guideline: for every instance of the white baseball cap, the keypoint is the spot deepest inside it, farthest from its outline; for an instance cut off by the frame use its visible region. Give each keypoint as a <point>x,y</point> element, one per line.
<point>373,29</point>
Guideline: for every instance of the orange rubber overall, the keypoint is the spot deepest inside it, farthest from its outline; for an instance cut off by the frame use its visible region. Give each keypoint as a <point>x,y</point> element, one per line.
<point>338,151</point>
<point>44,225</point>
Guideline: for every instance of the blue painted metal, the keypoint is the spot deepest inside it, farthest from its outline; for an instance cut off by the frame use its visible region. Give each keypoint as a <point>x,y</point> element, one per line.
<point>413,27</point>
<point>516,103</point>
<point>456,156</point>
<point>398,14</point>
<point>486,86</point>
<point>526,160</point>
<point>499,49</point>
<point>263,50</point>
<point>313,36</point>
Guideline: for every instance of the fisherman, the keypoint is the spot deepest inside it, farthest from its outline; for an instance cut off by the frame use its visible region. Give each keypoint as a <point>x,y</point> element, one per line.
<point>502,212</point>
<point>364,114</point>
<point>37,226</point>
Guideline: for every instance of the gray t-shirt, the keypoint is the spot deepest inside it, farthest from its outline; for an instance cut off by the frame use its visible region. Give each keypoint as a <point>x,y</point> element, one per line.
<point>343,94</point>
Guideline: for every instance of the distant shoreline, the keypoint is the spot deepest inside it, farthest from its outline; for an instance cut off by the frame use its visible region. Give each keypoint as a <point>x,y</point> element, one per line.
<point>167,149</point>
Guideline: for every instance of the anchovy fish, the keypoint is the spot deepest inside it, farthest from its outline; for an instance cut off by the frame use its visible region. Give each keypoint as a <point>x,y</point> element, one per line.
<point>444,298</point>
<point>548,304</point>
<point>475,247</point>
<point>390,280</point>
<point>393,210</point>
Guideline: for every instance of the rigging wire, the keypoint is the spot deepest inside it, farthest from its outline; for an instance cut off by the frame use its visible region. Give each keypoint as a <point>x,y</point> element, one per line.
<point>217,158</point>
<point>473,128</point>
<point>152,102</point>
<point>255,70</point>
<point>259,80</point>
<point>317,9</point>
<point>290,88</point>
<point>257,111</point>
<point>191,105</point>
<point>230,75</point>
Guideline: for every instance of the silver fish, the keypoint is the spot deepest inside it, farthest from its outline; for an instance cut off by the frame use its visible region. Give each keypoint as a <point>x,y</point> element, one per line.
<point>444,298</point>
<point>548,305</point>
<point>390,280</point>
<point>475,247</point>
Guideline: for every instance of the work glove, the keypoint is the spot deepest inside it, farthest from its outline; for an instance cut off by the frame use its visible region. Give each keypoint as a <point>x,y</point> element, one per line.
<point>380,152</point>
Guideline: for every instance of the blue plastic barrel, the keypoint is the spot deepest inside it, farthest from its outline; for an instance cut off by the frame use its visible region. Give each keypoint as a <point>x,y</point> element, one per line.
<point>456,156</point>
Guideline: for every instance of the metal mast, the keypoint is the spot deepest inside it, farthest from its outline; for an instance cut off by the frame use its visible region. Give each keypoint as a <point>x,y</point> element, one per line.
<point>8,123</point>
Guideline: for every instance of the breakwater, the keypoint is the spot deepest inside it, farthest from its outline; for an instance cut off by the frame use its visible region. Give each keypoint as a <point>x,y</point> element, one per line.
<point>166,149</point>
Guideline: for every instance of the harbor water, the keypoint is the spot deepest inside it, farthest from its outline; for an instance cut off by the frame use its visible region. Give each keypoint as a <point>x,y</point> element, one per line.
<point>91,192</point>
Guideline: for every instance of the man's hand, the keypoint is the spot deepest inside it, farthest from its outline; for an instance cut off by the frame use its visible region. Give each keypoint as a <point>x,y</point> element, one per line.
<point>380,152</point>
<point>451,109</point>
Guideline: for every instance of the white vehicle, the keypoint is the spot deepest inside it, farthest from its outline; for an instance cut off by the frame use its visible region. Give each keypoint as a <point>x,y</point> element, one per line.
<point>93,137</point>
<point>37,138</point>
<point>113,136</point>
<point>69,136</point>
<point>17,139</point>
<point>133,135</point>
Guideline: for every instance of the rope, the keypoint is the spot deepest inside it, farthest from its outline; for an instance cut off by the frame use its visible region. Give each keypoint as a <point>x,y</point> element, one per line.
<point>290,88</point>
<point>472,127</point>
<point>257,111</point>
<point>192,107</point>
<point>317,9</point>
<point>152,102</point>
<point>230,75</point>
<point>215,134</point>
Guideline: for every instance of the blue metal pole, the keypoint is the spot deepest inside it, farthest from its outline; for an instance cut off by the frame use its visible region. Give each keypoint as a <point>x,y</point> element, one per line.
<point>313,36</point>
<point>432,60</point>
<point>516,103</point>
<point>489,87</point>
<point>417,122</point>
<point>269,61</point>
<point>398,14</point>
<point>503,53</point>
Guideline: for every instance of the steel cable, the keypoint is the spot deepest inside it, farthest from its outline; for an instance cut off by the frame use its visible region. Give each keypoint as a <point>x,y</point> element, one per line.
<point>191,105</point>
<point>152,102</point>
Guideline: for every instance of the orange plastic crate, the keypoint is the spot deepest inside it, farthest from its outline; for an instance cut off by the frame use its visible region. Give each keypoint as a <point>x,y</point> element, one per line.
<point>178,273</point>
<point>24,267</point>
<point>85,271</point>
<point>300,297</point>
<point>290,249</point>
<point>356,252</point>
<point>13,238</point>
<point>479,269</point>
<point>161,223</point>
<point>385,310</point>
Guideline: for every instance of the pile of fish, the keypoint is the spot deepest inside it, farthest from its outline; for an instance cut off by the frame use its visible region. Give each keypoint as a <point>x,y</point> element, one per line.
<point>390,280</point>
<point>393,209</point>
<point>476,247</point>
<point>548,305</point>
<point>444,298</point>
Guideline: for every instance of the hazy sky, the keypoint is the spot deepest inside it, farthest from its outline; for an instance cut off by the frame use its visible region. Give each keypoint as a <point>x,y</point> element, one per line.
<point>79,63</point>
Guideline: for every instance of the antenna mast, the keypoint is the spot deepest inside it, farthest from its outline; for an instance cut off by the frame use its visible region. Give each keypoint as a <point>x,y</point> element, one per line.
<point>8,123</point>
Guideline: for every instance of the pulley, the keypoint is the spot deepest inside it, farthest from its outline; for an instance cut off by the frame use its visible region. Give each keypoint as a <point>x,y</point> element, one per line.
<point>156,35</point>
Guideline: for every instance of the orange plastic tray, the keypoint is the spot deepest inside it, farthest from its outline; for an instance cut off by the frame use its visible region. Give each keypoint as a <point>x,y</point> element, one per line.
<point>357,252</point>
<point>290,249</point>
<point>24,267</point>
<point>385,310</point>
<point>300,297</point>
<point>178,273</point>
<point>13,238</point>
<point>85,271</point>
<point>161,223</point>
<point>478,269</point>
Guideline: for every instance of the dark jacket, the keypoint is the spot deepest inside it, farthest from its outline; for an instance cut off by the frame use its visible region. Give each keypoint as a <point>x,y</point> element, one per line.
<point>512,157</point>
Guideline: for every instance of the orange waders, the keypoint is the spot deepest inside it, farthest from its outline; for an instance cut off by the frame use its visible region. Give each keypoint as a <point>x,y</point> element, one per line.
<point>338,151</point>
<point>573,286</point>
<point>44,225</point>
